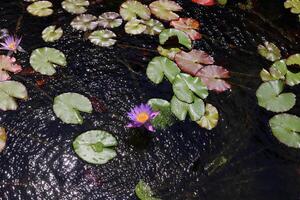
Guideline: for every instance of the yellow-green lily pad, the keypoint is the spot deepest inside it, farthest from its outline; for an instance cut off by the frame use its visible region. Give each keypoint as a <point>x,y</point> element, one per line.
<point>75,6</point>
<point>210,118</point>
<point>40,8</point>
<point>51,33</point>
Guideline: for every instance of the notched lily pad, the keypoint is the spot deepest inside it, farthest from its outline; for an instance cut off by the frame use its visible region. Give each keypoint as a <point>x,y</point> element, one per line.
<point>3,138</point>
<point>84,22</point>
<point>210,118</point>
<point>144,192</point>
<point>95,147</point>
<point>9,90</point>
<point>189,26</point>
<point>40,8</point>
<point>183,38</point>
<point>293,60</point>
<point>45,60</point>
<point>51,33</point>
<point>132,9</point>
<point>286,128</point>
<point>153,27</point>
<point>103,38</point>
<point>109,20</point>
<point>277,71</point>
<point>169,53</point>
<point>67,106</point>
<point>135,27</point>
<point>165,9</point>
<point>75,6</point>
<point>269,51</point>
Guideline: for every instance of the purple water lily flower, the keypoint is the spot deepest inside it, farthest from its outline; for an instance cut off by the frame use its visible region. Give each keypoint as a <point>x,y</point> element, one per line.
<point>12,45</point>
<point>141,116</point>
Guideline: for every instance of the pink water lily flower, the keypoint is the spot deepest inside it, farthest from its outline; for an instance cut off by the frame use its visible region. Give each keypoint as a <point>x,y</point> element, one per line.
<point>12,45</point>
<point>141,116</point>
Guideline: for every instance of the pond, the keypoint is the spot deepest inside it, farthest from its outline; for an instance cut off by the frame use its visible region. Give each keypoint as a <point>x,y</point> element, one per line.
<point>214,126</point>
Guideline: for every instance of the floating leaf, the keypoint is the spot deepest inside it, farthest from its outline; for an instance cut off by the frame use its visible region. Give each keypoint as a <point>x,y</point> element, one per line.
<point>51,33</point>
<point>95,147</point>
<point>169,53</point>
<point>205,2</point>
<point>293,59</point>
<point>179,108</point>
<point>269,51</point>
<point>165,117</point>
<point>212,76</point>
<point>222,2</point>
<point>135,26</point>
<point>75,6</point>
<point>196,109</point>
<point>292,79</point>
<point>286,128</point>
<point>160,66</point>
<point>277,71</point>
<point>103,38</point>
<point>7,64</point>
<point>153,27</point>
<point>294,5</point>
<point>165,9</point>
<point>132,9</point>
<point>192,61</point>
<point>189,26</point>
<point>84,22</point>
<point>67,106</point>
<point>110,20</point>
<point>210,118</point>
<point>9,90</point>
<point>3,138</point>
<point>183,38</point>
<point>144,192</point>
<point>45,60</point>
<point>269,97</point>
<point>40,8</point>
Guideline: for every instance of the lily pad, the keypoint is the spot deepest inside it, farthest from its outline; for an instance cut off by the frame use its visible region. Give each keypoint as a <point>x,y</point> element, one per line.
<point>210,118</point>
<point>84,22</point>
<point>183,38</point>
<point>144,192</point>
<point>153,27</point>
<point>95,147</point>
<point>9,90</point>
<point>110,20</point>
<point>40,8</point>
<point>292,79</point>
<point>277,71</point>
<point>293,59</point>
<point>294,5</point>
<point>185,86</point>
<point>67,106</point>
<point>169,53</point>
<point>7,64</point>
<point>165,9</point>
<point>269,51</point>
<point>205,2</point>
<point>132,9</point>
<point>3,138</point>
<point>75,6</point>
<point>45,60</point>
<point>286,128</point>
<point>269,97</point>
<point>160,66</point>
<point>189,26</point>
<point>51,33</point>
<point>103,38</point>
<point>135,27</point>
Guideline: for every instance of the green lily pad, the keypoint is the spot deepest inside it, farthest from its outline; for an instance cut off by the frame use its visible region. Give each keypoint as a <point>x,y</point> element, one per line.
<point>269,97</point>
<point>135,27</point>
<point>165,9</point>
<point>45,60</point>
<point>144,192</point>
<point>3,138</point>
<point>286,128</point>
<point>165,117</point>
<point>75,6</point>
<point>51,33</point>
<point>103,38</point>
<point>293,60</point>
<point>153,27</point>
<point>9,90</point>
<point>40,8</point>
<point>277,71</point>
<point>269,51</point>
<point>292,79</point>
<point>67,106</point>
<point>110,20</point>
<point>95,147</point>
<point>132,9</point>
<point>210,118</point>
<point>169,53</point>
<point>160,66</point>
<point>183,38</point>
<point>84,22</point>
<point>294,5</point>
<point>185,86</point>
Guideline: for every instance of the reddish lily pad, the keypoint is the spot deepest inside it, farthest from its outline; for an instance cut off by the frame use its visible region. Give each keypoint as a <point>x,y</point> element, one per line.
<point>205,2</point>
<point>7,64</point>
<point>3,138</point>
<point>165,9</point>
<point>189,26</point>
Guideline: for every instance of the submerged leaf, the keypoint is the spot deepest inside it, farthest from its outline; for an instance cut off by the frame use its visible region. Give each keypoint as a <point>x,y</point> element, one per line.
<point>110,20</point>
<point>286,128</point>
<point>210,118</point>
<point>103,38</point>
<point>269,51</point>
<point>51,33</point>
<point>7,64</point>
<point>169,53</point>
<point>183,38</point>
<point>165,9</point>
<point>75,6</point>
<point>132,9</point>
<point>134,27</point>
<point>269,97</point>
<point>45,60</point>
<point>189,26</point>
<point>9,90</point>
<point>153,27</point>
<point>3,138</point>
<point>67,106</point>
<point>40,8</point>
<point>144,192</point>
<point>95,147</point>
<point>205,2</point>
<point>192,61</point>
<point>84,22</point>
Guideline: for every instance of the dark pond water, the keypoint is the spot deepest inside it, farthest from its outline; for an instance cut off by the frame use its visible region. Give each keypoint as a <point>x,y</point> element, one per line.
<point>181,162</point>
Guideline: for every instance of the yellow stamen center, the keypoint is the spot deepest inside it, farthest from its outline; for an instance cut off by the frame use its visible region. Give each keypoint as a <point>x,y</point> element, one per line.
<point>142,117</point>
<point>12,45</point>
